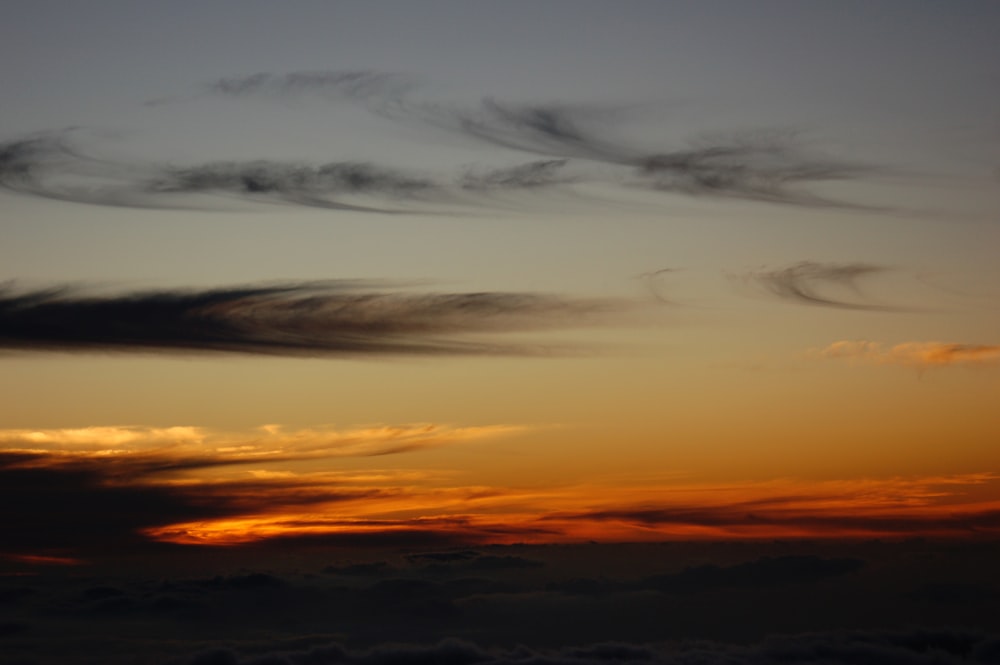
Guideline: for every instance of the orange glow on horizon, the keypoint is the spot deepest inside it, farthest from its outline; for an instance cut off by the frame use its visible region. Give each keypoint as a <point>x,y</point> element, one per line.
<point>887,508</point>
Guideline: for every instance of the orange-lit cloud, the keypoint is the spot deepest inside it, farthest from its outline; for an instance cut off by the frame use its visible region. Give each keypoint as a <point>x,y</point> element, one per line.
<point>117,487</point>
<point>892,507</point>
<point>265,443</point>
<point>914,354</point>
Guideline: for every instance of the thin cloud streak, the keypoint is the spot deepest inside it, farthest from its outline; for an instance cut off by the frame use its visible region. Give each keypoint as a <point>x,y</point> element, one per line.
<point>268,443</point>
<point>865,508</point>
<point>922,355</point>
<point>307,319</point>
<point>300,184</point>
<point>817,283</point>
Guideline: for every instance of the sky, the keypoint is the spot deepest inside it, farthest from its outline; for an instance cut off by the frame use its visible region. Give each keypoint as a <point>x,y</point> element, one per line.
<point>308,286</point>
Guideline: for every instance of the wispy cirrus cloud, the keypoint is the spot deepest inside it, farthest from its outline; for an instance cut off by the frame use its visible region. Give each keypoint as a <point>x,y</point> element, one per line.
<point>317,318</point>
<point>762,166</point>
<point>773,167</point>
<point>914,354</point>
<point>817,283</point>
<point>49,165</point>
<point>52,166</point>
<point>348,84</point>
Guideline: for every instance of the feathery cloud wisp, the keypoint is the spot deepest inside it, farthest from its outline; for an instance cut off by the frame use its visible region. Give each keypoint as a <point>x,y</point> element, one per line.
<point>51,166</point>
<point>329,318</point>
<point>763,167</point>
<point>816,283</point>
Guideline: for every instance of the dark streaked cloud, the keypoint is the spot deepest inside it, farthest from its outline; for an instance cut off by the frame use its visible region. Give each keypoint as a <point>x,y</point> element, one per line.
<point>762,167</point>
<point>758,166</point>
<point>327,318</point>
<point>49,165</point>
<point>357,84</point>
<point>537,174</point>
<point>556,130</point>
<point>315,186</point>
<point>52,166</point>
<point>817,283</point>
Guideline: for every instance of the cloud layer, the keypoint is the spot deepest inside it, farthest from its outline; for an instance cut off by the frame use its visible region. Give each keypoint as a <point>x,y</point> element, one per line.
<point>329,318</point>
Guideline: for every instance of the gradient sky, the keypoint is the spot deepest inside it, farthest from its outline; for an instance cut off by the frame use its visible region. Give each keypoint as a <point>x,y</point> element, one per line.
<point>513,272</point>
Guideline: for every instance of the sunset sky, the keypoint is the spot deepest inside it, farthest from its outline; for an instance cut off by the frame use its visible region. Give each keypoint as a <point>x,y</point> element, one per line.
<point>458,274</point>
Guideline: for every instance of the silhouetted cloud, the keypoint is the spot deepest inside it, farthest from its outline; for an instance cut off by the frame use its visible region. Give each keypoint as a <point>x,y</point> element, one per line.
<point>921,355</point>
<point>299,319</point>
<point>815,283</point>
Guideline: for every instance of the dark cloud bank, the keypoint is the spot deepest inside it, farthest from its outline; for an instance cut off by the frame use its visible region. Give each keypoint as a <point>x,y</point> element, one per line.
<point>925,647</point>
<point>329,318</point>
<point>684,603</point>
